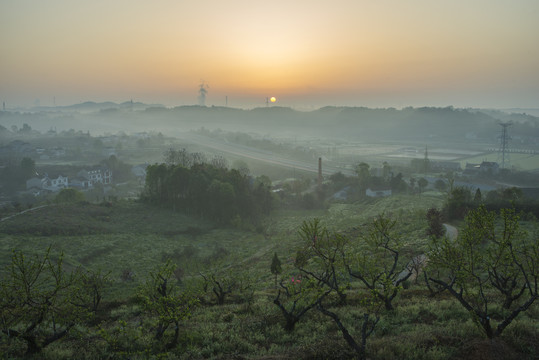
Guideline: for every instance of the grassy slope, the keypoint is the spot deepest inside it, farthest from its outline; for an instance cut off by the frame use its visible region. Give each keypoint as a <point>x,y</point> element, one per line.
<point>132,236</point>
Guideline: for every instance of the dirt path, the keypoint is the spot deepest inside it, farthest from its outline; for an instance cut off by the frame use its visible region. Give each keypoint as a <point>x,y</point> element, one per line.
<point>451,231</point>
<point>24,211</point>
<point>420,261</point>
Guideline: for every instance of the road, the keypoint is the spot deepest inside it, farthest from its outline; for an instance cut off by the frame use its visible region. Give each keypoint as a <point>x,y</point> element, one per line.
<point>261,155</point>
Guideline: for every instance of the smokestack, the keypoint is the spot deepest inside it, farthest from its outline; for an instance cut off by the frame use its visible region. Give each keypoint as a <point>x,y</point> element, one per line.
<point>319,173</point>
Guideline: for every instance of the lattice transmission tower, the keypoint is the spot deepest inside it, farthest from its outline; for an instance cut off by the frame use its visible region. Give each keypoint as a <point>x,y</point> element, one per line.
<point>202,91</point>
<point>503,152</point>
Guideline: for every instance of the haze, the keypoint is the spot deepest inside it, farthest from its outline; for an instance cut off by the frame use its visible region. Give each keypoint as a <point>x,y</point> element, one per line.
<point>306,53</point>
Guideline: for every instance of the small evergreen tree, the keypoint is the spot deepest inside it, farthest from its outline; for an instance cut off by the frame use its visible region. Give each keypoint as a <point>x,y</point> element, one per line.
<point>276,268</point>
<point>436,226</point>
<point>477,197</point>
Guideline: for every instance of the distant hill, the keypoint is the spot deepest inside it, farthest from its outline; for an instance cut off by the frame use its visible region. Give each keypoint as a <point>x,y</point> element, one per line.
<point>424,124</point>
<point>90,106</point>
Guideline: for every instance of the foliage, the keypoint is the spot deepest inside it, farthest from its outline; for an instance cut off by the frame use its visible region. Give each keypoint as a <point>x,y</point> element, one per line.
<point>397,183</point>
<point>368,320</point>
<point>440,185</point>
<point>491,256</point>
<point>276,268</point>
<point>459,202</point>
<point>136,236</point>
<point>301,294</point>
<point>422,184</point>
<point>221,285</point>
<point>120,170</point>
<point>207,190</point>
<point>69,195</point>
<point>364,176</point>
<point>376,262</point>
<point>162,298</point>
<point>91,288</point>
<point>13,176</point>
<point>435,223</point>
<point>38,300</point>
<point>321,257</point>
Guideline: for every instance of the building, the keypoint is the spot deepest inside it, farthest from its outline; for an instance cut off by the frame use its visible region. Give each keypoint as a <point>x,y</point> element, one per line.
<point>50,183</point>
<point>489,167</point>
<point>378,191</point>
<point>485,168</point>
<point>55,184</point>
<point>100,175</point>
<point>139,171</point>
<point>445,166</point>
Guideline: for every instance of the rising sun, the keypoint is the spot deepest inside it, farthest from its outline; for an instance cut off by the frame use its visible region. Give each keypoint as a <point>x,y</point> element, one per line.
<point>273,99</point>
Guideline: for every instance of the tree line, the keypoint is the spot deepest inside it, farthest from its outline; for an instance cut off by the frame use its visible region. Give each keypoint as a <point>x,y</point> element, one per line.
<point>210,191</point>
<point>461,200</point>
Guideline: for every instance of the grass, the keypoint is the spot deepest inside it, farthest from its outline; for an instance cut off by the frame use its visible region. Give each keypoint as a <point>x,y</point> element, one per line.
<point>130,235</point>
<point>523,162</point>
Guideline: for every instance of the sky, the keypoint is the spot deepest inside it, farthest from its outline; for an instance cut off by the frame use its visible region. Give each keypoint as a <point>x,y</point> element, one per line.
<point>306,53</point>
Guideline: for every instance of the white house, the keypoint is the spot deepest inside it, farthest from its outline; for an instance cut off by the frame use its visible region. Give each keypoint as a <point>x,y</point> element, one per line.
<point>99,175</point>
<point>57,184</point>
<point>378,192</point>
<point>48,183</point>
<point>139,171</point>
<point>80,183</point>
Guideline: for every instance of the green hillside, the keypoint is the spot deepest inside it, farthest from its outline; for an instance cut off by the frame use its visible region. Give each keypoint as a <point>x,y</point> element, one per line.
<point>131,240</point>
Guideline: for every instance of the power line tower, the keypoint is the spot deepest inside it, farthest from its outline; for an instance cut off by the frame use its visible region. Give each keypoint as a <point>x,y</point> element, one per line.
<point>202,91</point>
<point>503,152</point>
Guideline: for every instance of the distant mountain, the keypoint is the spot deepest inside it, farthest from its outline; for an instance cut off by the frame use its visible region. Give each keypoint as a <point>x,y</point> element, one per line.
<point>90,106</point>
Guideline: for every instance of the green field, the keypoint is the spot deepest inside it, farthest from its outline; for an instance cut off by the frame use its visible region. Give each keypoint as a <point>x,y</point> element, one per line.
<point>129,235</point>
<point>521,162</point>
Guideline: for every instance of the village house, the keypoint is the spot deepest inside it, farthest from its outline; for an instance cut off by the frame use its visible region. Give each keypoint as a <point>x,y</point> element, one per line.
<point>100,175</point>
<point>378,191</point>
<point>445,166</point>
<point>16,147</point>
<point>57,152</point>
<point>80,182</point>
<point>489,167</point>
<point>485,168</point>
<point>109,151</point>
<point>50,183</point>
<point>139,171</point>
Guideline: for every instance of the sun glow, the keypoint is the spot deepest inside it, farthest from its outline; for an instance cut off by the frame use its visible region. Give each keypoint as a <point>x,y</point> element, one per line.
<point>273,99</point>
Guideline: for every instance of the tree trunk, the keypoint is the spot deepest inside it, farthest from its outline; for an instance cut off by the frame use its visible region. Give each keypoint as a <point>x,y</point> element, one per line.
<point>32,345</point>
<point>290,322</point>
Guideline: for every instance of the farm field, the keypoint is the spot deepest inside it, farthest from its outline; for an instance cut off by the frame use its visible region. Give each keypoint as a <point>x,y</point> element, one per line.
<point>130,240</point>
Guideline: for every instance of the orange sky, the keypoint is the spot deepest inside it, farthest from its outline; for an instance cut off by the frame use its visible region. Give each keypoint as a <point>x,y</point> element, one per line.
<point>306,53</point>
